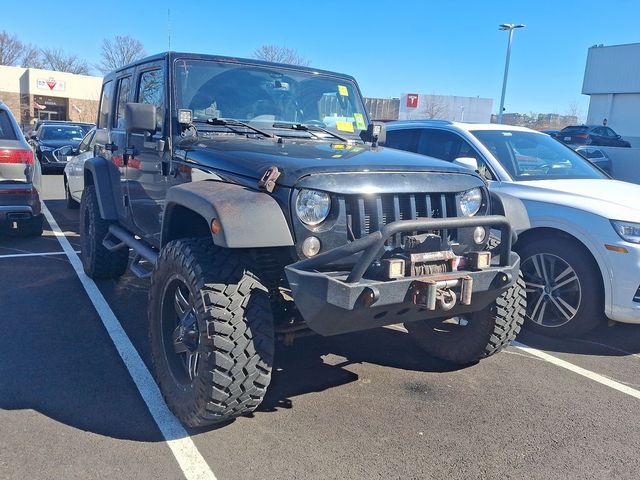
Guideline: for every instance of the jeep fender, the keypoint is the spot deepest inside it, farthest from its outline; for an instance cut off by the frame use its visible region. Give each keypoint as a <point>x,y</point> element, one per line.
<point>105,177</point>
<point>512,208</point>
<point>248,218</point>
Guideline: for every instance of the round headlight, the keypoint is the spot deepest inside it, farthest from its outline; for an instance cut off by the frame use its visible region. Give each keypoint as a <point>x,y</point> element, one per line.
<point>312,206</point>
<point>470,202</point>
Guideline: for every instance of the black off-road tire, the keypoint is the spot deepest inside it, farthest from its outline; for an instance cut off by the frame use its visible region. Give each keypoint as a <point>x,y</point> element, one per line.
<point>590,310</point>
<point>69,201</point>
<point>486,333</point>
<point>98,262</point>
<point>234,327</point>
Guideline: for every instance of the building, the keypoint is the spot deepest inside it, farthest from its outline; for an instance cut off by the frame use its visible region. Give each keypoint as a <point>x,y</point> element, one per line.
<point>612,80</point>
<point>32,93</point>
<point>416,106</point>
<point>382,108</point>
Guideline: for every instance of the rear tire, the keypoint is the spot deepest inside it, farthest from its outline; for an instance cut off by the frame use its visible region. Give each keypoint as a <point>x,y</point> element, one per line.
<point>485,333</point>
<point>70,202</point>
<point>98,262</point>
<point>572,304</point>
<point>211,332</point>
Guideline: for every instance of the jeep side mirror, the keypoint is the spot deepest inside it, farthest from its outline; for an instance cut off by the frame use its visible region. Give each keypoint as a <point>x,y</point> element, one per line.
<point>468,162</point>
<point>375,133</point>
<point>140,118</point>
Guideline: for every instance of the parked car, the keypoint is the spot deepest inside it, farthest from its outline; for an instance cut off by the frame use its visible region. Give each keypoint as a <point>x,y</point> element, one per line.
<point>597,156</point>
<point>591,135</point>
<point>579,246</point>
<point>551,132</point>
<point>49,138</point>
<point>84,125</point>
<point>263,209</point>
<point>20,180</point>
<point>74,169</point>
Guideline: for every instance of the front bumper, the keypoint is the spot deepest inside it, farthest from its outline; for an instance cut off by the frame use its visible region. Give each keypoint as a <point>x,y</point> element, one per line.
<point>334,302</point>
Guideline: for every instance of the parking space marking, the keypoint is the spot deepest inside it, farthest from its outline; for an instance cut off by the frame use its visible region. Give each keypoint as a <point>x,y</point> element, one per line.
<point>596,377</point>
<point>579,370</point>
<point>43,254</point>
<point>193,465</point>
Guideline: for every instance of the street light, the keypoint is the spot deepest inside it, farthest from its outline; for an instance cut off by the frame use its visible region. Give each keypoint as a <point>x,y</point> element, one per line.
<point>510,27</point>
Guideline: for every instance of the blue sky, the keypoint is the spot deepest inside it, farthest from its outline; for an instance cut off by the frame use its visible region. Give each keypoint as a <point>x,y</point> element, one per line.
<point>442,47</point>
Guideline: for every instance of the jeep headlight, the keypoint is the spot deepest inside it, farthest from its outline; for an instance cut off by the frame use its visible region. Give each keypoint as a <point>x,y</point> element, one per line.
<point>470,202</point>
<point>628,231</point>
<point>312,206</point>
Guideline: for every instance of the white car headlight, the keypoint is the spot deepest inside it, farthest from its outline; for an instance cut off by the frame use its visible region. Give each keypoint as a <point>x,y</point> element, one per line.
<point>312,206</point>
<point>470,202</point>
<point>628,231</point>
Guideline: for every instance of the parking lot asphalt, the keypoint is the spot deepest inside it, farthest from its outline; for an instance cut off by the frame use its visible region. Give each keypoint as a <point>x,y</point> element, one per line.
<point>363,406</point>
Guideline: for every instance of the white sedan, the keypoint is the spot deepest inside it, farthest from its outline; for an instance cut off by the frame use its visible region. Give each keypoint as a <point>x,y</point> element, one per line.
<point>580,248</point>
<point>74,169</point>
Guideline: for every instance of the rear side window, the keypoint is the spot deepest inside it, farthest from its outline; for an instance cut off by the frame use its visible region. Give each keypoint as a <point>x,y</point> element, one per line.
<point>105,105</point>
<point>151,90</point>
<point>6,128</point>
<point>124,88</point>
<point>404,139</point>
<point>574,129</point>
<point>439,144</point>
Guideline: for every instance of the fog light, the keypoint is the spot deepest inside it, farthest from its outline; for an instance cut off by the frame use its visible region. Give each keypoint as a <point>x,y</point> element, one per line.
<point>479,234</point>
<point>310,246</point>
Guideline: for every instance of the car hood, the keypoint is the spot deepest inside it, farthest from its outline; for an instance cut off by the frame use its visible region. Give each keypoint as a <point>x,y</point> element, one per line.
<point>611,199</point>
<point>59,143</point>
<point>297,158</point>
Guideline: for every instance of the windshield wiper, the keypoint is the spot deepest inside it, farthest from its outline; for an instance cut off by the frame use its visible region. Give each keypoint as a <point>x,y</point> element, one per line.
<point>305,127</point>
<point>230,122</point>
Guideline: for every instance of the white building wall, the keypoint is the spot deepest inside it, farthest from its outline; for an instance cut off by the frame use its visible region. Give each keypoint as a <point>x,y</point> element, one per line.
<point>446,107</point>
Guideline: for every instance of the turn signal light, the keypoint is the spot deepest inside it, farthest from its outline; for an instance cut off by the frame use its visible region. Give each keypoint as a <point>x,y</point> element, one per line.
<point>17,156</point>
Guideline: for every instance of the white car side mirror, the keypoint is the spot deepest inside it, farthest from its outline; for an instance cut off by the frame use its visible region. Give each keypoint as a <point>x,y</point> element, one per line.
<point>469,162</point>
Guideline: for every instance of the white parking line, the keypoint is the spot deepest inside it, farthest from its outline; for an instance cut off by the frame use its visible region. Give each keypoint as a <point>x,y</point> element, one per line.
<point>564,364</point>
<point>191,462</point>
<point>43,254</point>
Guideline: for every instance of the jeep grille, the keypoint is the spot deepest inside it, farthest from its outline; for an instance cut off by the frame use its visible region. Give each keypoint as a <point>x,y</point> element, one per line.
<point>366,214</point>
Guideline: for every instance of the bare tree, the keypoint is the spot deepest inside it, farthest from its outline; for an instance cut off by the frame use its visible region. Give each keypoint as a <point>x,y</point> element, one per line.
<point>434,106</point>
<point>11,49</point>
<point>56,59</point>
<point>279,54</point>
<point>574,112</point>
<point>31,57</point>
<point>118,52</point>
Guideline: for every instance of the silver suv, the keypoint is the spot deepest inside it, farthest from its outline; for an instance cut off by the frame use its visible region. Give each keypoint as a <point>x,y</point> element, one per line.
<point>20,180</point>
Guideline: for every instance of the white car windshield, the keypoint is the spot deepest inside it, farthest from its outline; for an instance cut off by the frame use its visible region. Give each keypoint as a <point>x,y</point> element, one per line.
<point>532,156</point>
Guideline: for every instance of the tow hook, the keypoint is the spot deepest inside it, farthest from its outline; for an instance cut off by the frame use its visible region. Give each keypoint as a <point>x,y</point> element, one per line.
<point>432,293</point>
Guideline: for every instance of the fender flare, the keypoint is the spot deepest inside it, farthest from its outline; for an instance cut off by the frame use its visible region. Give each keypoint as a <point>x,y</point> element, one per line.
<point>248,218</point>
<point>513,208</point>
<point>105,177</point>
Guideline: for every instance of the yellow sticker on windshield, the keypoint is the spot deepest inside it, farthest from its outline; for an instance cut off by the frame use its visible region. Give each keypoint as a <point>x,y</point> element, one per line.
<point>359,118</point>
<point>342,90</point>
<point>344,126</point>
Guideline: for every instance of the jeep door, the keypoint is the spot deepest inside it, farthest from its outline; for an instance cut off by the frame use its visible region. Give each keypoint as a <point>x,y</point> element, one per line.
<point>146,181</point>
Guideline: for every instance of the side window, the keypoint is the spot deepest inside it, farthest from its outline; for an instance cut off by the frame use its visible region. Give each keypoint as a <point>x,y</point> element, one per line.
<point>598,131</point>
<point>404,139</point>
<point>466,150</point>
<point>151,90</point>
<point>124,88</point>
<point>439,144</point>
<point>105,105</point>
<point>610,133</point>
<point>86,143</point>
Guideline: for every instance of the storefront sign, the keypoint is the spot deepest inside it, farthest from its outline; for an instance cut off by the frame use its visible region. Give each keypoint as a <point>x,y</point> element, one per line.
<point>51,84</point>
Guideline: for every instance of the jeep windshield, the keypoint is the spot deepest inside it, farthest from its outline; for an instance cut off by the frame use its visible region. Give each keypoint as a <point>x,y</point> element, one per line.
<point>270,97</point>
<point>532,156</point>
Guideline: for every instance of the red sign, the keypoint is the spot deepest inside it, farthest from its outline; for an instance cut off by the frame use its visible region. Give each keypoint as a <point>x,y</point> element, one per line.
<point>51,84</point>
<point>412,100</point>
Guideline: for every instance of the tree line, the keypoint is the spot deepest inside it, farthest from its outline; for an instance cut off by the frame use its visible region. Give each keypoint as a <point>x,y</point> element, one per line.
<point>115,52</point>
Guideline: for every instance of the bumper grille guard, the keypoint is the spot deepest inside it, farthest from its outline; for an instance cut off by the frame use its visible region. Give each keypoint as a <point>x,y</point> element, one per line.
<point>372,246</point>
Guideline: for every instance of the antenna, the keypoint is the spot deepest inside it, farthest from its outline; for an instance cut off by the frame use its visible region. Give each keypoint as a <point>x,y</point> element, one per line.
<point>169,27</point>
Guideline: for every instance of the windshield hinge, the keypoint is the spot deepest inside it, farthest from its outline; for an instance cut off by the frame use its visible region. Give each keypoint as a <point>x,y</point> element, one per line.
<point>268,180</point>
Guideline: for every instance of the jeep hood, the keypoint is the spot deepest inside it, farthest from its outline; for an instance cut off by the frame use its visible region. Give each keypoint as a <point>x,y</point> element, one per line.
<point>298,158</point>
<point>610,199</point>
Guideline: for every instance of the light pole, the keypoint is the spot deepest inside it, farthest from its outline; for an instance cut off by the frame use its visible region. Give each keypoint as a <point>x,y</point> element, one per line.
<point>510,27</point>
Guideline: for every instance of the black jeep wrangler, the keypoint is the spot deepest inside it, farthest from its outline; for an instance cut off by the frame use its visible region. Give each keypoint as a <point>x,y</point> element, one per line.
<point>258,199</point>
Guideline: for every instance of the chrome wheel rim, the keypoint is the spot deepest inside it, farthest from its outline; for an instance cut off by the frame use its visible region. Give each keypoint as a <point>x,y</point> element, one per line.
<point>554,293</point>
<point>181,333</point>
